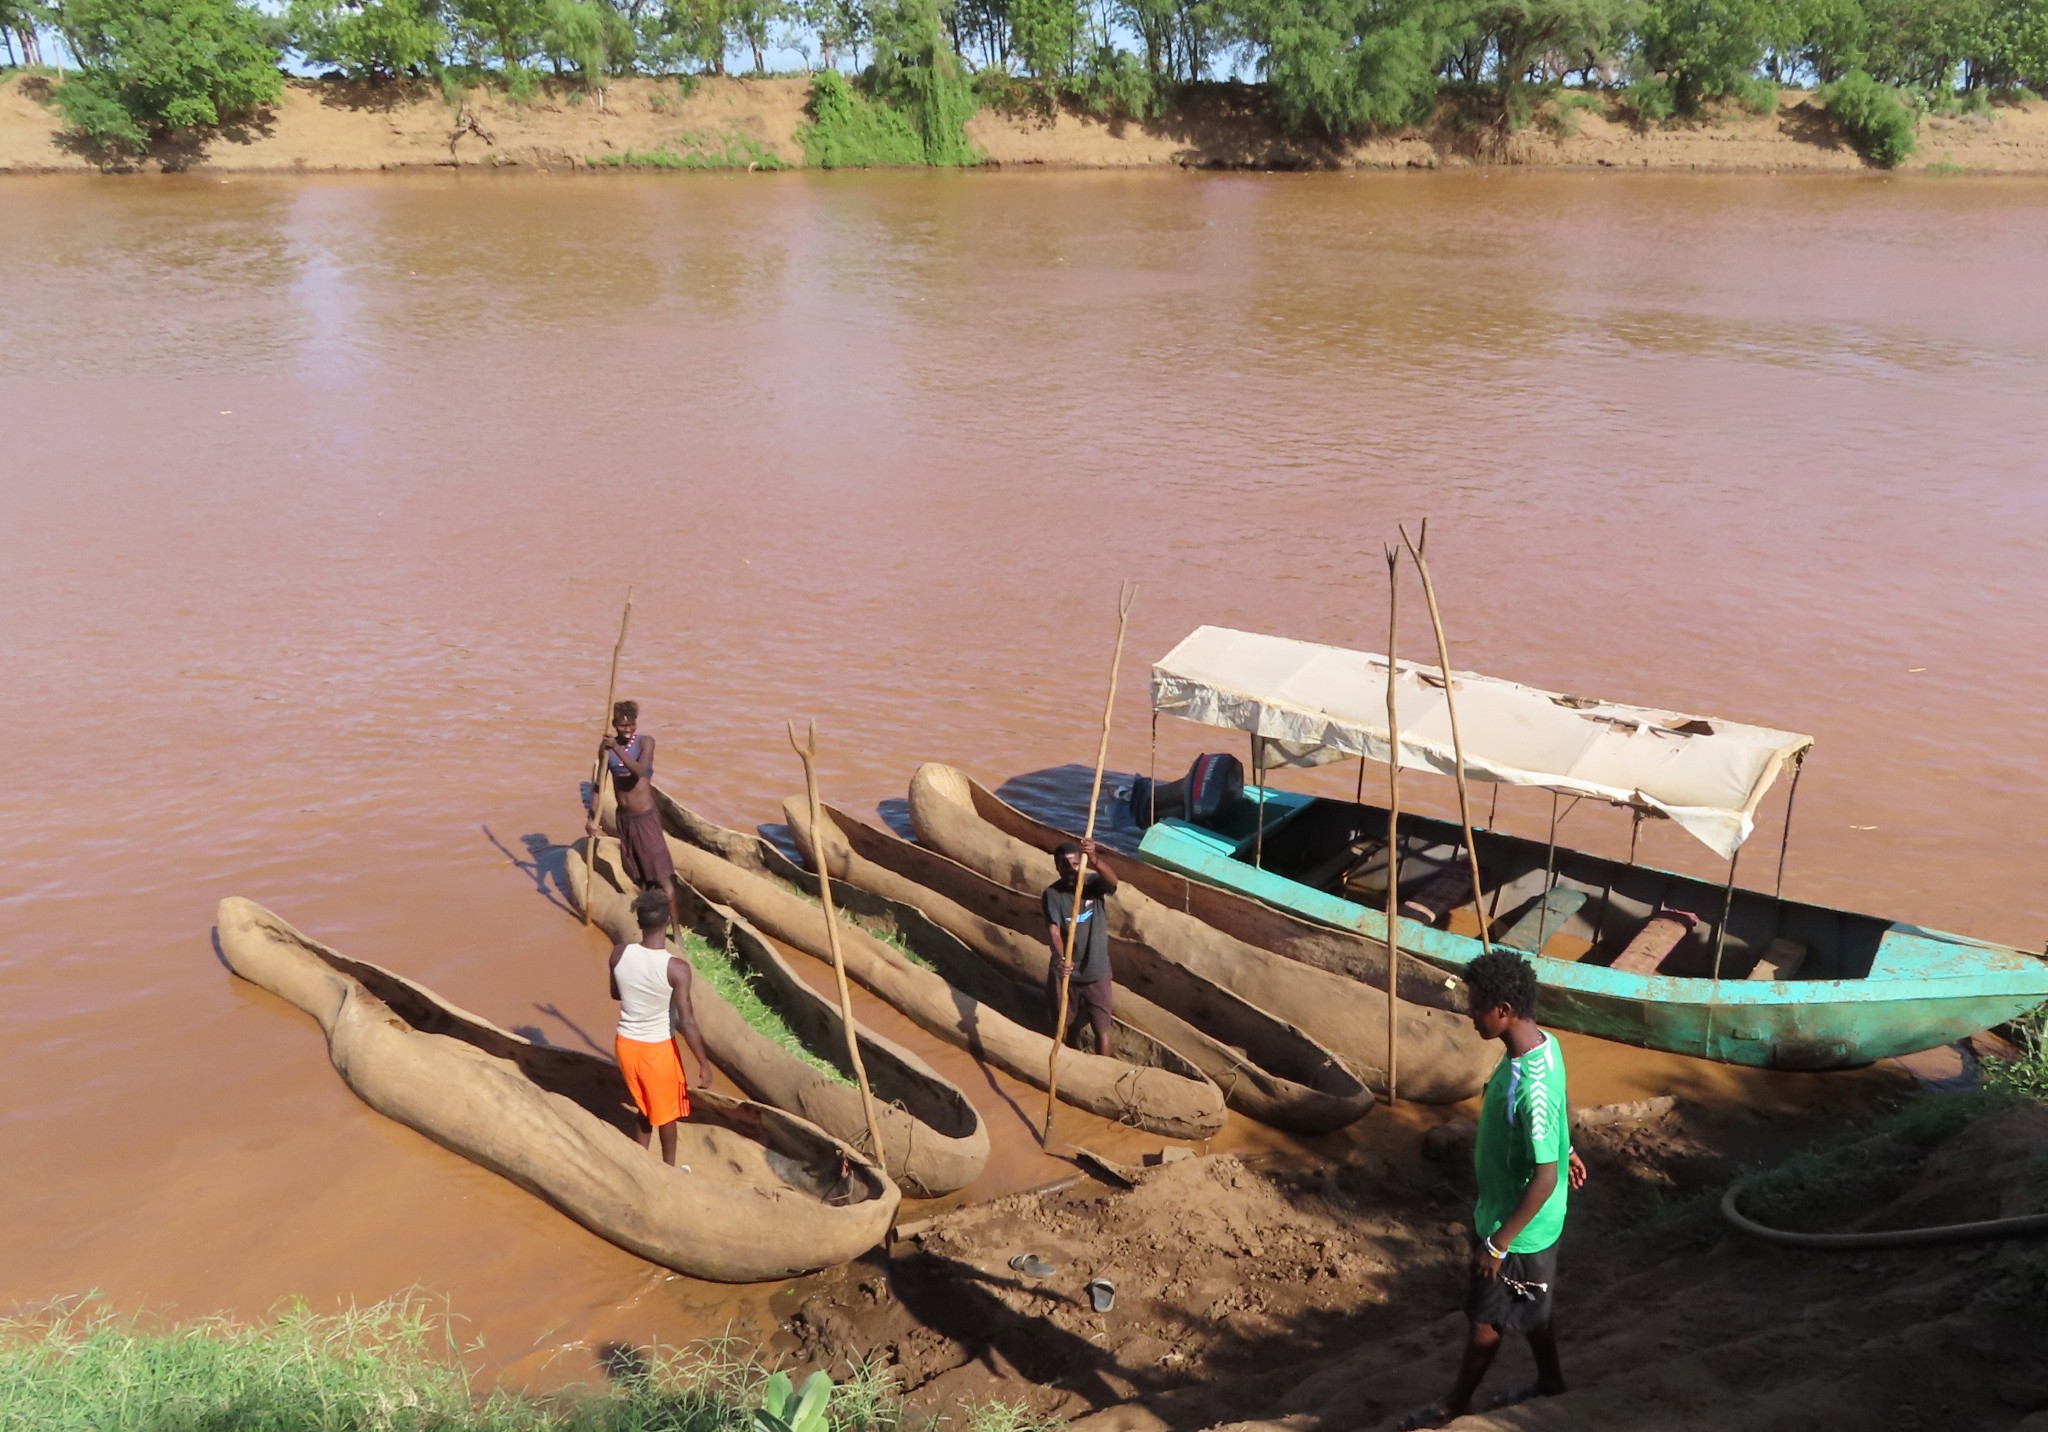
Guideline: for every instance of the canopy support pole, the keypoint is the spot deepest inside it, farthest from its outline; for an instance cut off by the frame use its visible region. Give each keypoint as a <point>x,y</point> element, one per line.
<point>1549,879</point>
<point>1720,944</point>
<point>1394,826</point>
<point>1785,840</point>
<point>1443,662</point>
<point>1635,828</point>
<point>1152,791</point>
<point>1721,935</point>
<point>1259,780</point>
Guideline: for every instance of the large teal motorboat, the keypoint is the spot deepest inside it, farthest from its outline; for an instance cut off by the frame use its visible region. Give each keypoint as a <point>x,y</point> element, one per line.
<point>1624,951</point>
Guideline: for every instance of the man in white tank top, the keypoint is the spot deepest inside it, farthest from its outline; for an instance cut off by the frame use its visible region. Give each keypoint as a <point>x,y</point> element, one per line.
<point>653,990</point>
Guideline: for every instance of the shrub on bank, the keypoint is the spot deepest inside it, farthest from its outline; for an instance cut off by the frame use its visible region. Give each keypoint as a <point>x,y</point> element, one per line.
<point>1873,116</point>
<point>148,68</point>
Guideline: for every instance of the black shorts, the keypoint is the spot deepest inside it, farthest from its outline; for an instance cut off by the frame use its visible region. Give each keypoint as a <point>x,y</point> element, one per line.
<point>1518,1299</point>
<point>1086,999</point>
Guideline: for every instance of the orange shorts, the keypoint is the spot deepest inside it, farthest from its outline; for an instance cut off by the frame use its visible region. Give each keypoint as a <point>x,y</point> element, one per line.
<point>654,1074</point>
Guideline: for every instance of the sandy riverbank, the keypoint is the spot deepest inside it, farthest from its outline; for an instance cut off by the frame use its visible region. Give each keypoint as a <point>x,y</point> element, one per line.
<point>328,126</point>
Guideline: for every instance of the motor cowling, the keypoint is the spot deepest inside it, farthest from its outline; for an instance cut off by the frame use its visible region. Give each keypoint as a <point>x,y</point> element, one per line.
<point>1213,785</point>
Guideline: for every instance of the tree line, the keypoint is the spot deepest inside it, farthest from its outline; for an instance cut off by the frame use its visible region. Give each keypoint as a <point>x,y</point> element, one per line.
<point>1335,67</point>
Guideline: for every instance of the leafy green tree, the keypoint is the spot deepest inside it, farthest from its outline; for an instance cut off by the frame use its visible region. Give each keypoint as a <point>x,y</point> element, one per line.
<point>1339,65</point>
<point>507,31</point>
<point>1522,33</point>
<point>20,22</point>
<point>841,27</point>
<point>917,70</point>
<point>982,28</point>
<point>586,37</point>
<point>1924,43</point>
<point>369,39</point>
<point>1046,35</point>
<point>1709,48</point>
<point>150,67</point>
<point>2019,46</point>
<point>751,23</point>
<point>1824,38</point>
<point>691,32</point>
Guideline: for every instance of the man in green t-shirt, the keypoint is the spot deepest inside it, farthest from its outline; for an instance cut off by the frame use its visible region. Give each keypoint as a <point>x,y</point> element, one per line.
<point>1523,1156</point>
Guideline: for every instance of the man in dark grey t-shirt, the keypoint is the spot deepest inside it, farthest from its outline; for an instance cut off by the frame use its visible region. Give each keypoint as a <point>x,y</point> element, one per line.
<point>1088,973</point>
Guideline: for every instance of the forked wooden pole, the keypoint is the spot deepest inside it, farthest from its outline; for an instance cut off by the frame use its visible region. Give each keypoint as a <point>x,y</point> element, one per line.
<point>1393,824</point>
<point>1443,665</point>
<point>603,772</point>
<point>808,754</point>
<point>1126,594</point>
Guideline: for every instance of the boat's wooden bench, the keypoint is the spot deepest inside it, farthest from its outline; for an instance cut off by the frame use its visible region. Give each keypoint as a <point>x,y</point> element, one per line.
<point>1543,919</point>
<point>1661,934</point>
<point>1781,961</point>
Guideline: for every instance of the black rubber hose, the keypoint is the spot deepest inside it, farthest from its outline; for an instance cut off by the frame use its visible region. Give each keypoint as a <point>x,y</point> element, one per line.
<point>1896,1238</point>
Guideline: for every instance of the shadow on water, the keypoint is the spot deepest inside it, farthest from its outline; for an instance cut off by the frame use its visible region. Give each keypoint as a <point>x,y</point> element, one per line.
<point>546,864</point>
<point>554,1012</point>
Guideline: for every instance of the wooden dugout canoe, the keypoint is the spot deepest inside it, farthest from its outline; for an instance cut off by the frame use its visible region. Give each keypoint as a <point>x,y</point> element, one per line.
<point>1146,1085</point>
<point>1267,1068</point>
<point>768,1195</point>
<point>933,1139</point>
<point>1442,1058</point>
<point>1861,988</point>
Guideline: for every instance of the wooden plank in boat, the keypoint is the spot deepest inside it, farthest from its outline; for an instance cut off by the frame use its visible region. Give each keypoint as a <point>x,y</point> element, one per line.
<point>1547,916</point>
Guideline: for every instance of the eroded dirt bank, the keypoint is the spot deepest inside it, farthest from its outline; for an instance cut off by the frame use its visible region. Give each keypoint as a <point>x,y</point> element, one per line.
<point>1306,1293</point>
<point>332,126</point>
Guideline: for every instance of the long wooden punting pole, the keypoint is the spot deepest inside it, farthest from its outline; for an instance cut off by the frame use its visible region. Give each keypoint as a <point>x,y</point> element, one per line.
<point>808,754</point>
<point>1443,664</point>
<point>1126,594</point>
<point>604,769</point>
<point>1393,823</point>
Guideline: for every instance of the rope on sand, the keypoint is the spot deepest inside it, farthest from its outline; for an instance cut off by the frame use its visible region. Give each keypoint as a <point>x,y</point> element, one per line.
<point>2031,1223</point>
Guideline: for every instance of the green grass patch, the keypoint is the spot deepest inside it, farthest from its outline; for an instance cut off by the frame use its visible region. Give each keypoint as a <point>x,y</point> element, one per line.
<point>699,151</point>
<point>2026,1076</point>
<point>742,988</point>
<point>395,1367</point>
<point>879,931</point>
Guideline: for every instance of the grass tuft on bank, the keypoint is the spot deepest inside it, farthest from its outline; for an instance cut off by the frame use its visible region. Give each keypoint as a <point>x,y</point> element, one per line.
<point>696,151</point>
<point>2026,1076</point>
<point>394,1367</point>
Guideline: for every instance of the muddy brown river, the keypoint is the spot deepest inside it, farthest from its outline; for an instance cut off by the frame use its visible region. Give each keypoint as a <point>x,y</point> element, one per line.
<point>321,497</point>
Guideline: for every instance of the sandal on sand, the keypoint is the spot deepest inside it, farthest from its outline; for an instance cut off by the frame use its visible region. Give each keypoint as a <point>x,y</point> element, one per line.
<point>1033,1265</point>
<point>1101,1294</point>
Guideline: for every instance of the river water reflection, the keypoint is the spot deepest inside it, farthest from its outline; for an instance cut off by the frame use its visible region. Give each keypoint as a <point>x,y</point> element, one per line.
<point>321,496</point>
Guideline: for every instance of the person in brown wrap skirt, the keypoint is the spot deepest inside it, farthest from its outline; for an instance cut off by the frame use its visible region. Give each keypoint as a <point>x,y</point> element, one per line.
<point>644,850</point>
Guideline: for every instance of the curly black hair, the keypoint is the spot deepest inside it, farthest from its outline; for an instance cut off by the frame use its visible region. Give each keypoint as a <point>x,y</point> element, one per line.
<point>650,908</point>
<point>1498,978</point>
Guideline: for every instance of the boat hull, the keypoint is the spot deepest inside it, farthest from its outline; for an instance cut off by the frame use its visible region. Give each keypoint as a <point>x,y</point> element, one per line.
<point>1925,988</point>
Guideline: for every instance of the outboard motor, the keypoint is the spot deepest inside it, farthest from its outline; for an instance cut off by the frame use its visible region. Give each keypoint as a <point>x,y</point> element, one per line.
<point>1205,795</point>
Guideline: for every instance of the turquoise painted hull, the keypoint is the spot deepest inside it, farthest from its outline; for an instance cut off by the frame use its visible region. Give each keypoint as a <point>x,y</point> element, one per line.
<point>1924,988</point>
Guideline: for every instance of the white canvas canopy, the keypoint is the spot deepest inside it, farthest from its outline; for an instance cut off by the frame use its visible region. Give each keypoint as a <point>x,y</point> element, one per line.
<point>1309,703</point>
